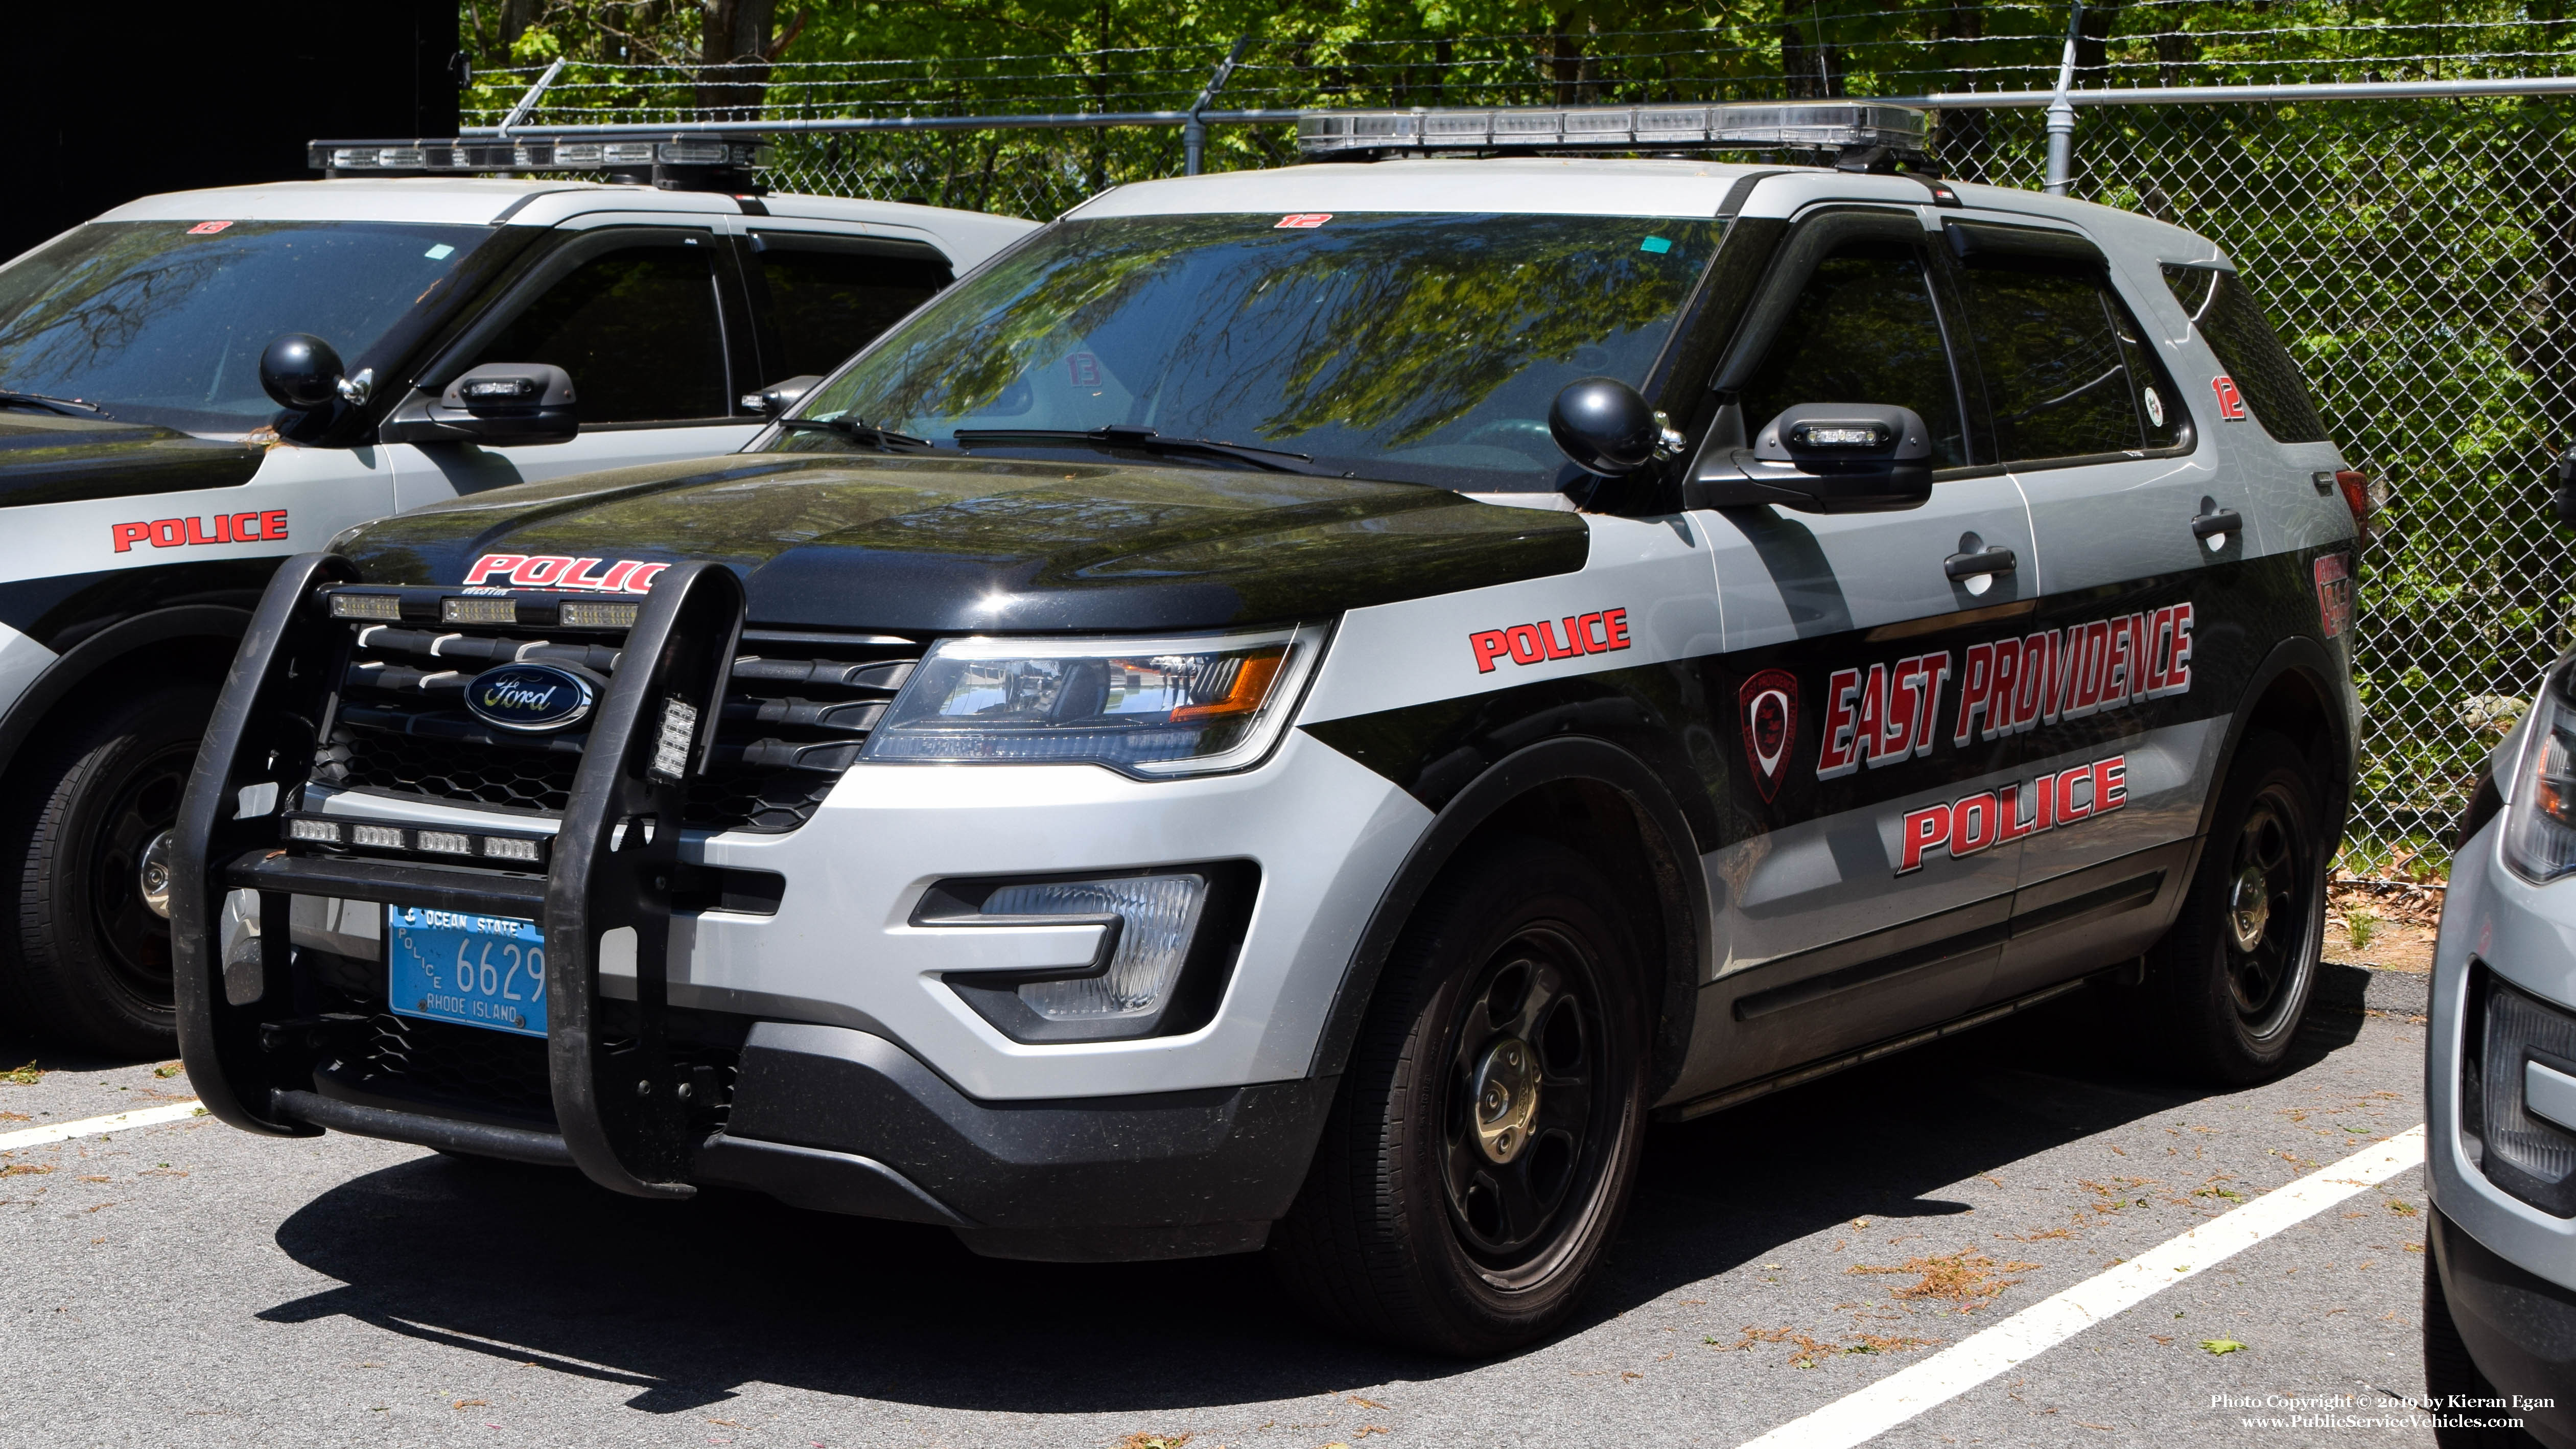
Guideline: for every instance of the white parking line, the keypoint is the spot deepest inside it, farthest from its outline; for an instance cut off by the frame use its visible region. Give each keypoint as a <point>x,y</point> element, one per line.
<point>92,1126</point>
<point>1860,1417</point>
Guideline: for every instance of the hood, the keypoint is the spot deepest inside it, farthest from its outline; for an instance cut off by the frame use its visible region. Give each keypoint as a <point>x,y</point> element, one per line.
<point>46,459</point>
<point>931,545</point>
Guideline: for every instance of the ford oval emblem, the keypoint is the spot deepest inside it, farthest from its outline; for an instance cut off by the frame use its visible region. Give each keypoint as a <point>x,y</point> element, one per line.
<point>529,697</point>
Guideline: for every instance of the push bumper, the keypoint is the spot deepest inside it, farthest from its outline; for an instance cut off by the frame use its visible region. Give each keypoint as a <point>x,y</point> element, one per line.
<point>2519,1327</point>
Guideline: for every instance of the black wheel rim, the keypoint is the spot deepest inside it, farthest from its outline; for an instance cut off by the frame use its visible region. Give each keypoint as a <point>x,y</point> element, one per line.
<point>2264,928</point>
<point>1538,995</point>
<point>133,940</point>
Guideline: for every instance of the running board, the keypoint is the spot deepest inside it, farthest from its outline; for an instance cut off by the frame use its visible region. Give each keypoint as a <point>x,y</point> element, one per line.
<point>1800,1076</point>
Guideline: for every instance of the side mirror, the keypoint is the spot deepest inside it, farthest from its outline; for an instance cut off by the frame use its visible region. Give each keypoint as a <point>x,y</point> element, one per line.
<point>1823,458</point>
<point>1608,428</point>
<point>497,404</point>
<point>780,398</point>
<point>301,373</point>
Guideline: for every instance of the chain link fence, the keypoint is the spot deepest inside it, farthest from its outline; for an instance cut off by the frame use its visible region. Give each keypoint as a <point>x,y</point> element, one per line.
<point>2419,257</point>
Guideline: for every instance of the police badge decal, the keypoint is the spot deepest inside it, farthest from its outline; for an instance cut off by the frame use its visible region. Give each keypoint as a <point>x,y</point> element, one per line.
<point>1770,703</point>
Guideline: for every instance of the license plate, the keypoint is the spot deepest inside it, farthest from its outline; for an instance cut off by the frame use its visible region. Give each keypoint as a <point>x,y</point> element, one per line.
<point>487,971</point>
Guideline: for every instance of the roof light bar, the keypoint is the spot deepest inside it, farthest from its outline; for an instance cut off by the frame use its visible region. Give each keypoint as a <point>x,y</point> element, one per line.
<point>341,158</point>
<point>1761,125</point>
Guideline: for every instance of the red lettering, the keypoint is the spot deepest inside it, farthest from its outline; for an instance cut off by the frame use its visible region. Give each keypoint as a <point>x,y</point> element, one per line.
<point>1871,720</point>
<point>2043,803</point>
<point>1896,737</point>
<point>2110,783</point>
<point>2067,810</point>
<point>1935,671</point>
<point>2008,826</point>
<point>246,528</point>
<point>1924,829</point>
<point>272,524</point>
<point>2178,678</point>
<point>1838,756</point>
<point>2000,720</point>
<point>197,531</point>
<point>127,535</point>
<point>1976,677</point>
<point>573,578</point>
<point>493,563</point>
<point>539,571</point>
<point>1547,641</point>
<point>1968,838</point>
<point>1487,644</point>
<point>2030,700</point>
<point>1576,636</point>
<point>641,581</point>
<point>166,533</point>
<point>1617,620</point>
<point>2095,663</point>
<point>1588,621</point>
<point>1522,638</point>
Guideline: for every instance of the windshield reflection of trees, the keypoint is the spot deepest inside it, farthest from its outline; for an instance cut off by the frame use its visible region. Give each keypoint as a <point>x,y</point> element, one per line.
<point>1397,327</point>
<point>102,305</point>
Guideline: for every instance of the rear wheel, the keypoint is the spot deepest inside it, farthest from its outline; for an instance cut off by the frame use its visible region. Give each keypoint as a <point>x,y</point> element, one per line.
<point>1481,1150</point>
<point>91,959</point>
<point>2233,977</point>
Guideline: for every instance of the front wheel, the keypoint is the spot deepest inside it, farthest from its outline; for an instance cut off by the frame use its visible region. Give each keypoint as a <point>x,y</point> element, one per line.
<point>90,956</point>
<point>1480,1153</point>
<point>2234,975</point>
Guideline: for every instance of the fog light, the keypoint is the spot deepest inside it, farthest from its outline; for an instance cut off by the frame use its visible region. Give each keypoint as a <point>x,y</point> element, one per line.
<point>1158,914</point>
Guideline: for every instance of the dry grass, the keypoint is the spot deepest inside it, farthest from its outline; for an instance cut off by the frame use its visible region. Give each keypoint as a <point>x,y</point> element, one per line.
<point>1971,1280</point>
<point>1142,1440</point>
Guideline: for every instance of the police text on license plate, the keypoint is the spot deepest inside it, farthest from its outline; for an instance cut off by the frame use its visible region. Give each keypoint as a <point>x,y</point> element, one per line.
<point>480,970</point>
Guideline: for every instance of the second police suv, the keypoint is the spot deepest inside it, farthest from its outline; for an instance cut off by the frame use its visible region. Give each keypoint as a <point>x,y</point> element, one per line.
<point>1298,709</point>
<point>196,385</point>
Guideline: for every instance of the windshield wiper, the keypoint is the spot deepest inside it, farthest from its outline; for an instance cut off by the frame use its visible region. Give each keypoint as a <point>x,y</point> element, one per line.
<point>866,435</point>
<point>70,407</point>
<point>1127,435</point>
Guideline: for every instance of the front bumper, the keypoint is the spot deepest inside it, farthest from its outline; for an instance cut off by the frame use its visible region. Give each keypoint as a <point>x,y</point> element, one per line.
<point>2519,1327</point>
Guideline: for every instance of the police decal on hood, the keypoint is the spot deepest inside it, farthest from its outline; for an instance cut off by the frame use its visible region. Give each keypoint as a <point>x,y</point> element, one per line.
<point>562,571</point>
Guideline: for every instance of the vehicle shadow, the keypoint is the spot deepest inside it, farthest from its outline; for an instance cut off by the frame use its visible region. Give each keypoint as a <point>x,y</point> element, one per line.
<point>686,1302</point>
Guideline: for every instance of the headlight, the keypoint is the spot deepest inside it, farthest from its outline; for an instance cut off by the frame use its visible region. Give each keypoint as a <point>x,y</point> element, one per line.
<point>1148,707</point>
<point>2540,828</point>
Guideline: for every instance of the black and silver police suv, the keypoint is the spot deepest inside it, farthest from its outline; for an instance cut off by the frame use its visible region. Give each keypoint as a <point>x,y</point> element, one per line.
<point>196,385</point>
<point>1297,709</point>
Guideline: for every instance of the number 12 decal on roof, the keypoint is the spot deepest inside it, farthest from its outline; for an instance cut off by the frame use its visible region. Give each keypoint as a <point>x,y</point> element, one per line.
<point>1303,220</point>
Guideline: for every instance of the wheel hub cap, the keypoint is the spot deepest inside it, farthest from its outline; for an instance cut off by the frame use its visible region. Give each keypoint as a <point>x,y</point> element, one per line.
<point>154,875</point>
<point>1506,1099</point>
<point>2249,908</point>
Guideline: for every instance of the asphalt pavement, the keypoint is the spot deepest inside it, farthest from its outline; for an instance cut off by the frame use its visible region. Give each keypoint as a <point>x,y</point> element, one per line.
<point>186,1284</point>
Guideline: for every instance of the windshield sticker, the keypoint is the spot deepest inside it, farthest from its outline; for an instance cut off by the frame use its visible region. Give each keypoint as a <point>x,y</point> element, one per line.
<point>561,571</point>
<point>1887,712</point>
<point>1972,823</point>
<point>269,527</point>
<point>2231,403</point>
<point>1549,639</point>
<point>440,252</point>
<point>1303,220</point>
<point>1656,244</point>
<point>207,228</point>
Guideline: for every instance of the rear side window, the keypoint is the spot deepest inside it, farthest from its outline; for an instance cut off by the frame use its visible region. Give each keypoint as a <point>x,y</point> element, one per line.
<point>2066,369</point>
<point>638,331</point>
<point>1863,331</point>
<point>2231,320</point>
<point>827,302</point>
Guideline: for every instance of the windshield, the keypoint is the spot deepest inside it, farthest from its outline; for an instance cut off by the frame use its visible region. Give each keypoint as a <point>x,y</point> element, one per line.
<point>1406,347</point>
<point>164,321</point>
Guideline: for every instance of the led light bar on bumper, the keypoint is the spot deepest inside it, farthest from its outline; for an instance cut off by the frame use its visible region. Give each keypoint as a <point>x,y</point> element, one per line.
<point>2540,828</point>
<point>1168,940</point>
<point>1152,708</point>
<point>1794,125</point>
<point>334,832</point>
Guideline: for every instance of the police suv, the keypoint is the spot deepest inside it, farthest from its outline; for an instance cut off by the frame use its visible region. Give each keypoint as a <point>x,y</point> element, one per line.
<point>1300,708</point>
<point>175,417</point>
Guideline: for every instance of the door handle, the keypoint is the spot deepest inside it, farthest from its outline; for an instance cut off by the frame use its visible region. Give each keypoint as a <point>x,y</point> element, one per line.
<point>1962,567</point>
<point>2214,524</point>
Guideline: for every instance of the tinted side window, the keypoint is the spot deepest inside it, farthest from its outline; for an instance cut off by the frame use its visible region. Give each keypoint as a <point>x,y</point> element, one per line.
<point>827,304</point>
<point>638,331</point>
<point>2066,370</point>
<point>2231,320</point>
<point>1863,331</point>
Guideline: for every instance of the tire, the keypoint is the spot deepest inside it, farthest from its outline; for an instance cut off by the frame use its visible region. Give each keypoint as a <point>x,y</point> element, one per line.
<point>2449,1371</point>
<point>2225,1012</point>
<point>1408,1229</point>
<point>89,962</point>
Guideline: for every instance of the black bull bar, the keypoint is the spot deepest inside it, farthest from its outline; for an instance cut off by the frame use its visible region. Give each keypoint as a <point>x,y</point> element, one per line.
<point>615,856</point>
